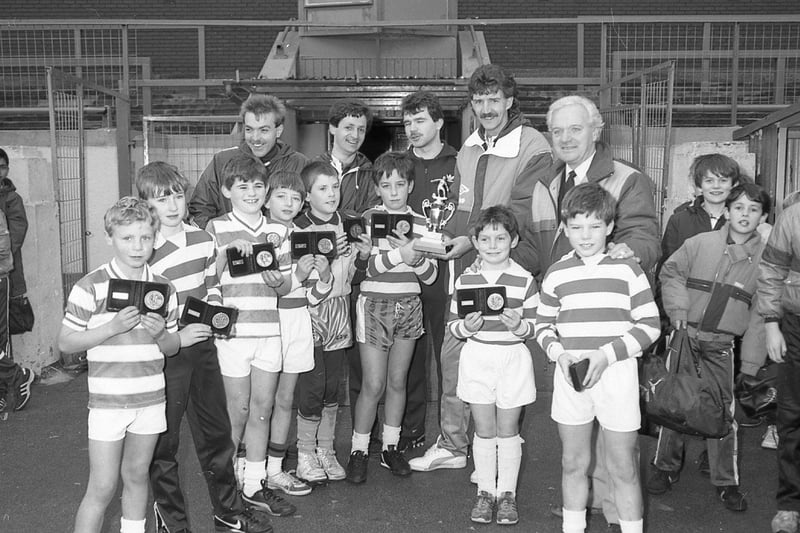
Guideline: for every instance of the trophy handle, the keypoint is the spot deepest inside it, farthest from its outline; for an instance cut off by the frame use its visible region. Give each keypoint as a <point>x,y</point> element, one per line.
<point>449,211</point>
<point>426,207</point>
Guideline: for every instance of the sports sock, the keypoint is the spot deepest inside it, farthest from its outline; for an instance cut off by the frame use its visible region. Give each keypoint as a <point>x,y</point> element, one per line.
<point>327,426</point>
<point>131,526</point>
<point>574,521</point>
<point>275,453</point>
<point>632,526</point>
<point>390,436</point>
<point>509,458</point>
<point>484,454</point>
<point>306,434</point>
<point>360,442</point>
<point>254,472</point>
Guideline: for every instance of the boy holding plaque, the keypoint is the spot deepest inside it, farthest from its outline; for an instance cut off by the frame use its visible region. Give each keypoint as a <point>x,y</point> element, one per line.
<point>597,308</point>
<point>125,352</point>
<point>493,310</point>
<point>389,312</point>
<point>311,283</point>
<point>187,256</point>
<point>318,389</point>
<point>255,267</point>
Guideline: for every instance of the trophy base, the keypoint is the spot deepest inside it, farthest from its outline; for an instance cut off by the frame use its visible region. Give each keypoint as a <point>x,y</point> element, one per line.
<point>430,245</point>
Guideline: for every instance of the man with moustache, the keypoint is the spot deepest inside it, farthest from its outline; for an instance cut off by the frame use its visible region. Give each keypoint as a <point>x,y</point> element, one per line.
<point>498,164</point>
<point>434,176</point>
<point>262,119</point>
<point>575,124</point>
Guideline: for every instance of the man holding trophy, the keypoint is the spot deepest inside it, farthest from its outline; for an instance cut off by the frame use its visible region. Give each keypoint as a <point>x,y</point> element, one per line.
<point>435,195</point>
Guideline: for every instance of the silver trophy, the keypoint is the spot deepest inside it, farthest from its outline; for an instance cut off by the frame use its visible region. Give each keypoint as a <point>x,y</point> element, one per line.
<point>437,214</point>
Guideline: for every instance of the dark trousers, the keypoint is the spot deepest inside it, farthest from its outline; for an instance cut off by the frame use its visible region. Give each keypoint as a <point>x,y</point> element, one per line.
<point>9,370</point>
<point>788,419</point>
<point>319,386</point>
<point>194,387</point>
<point>715,360</point>
<point>435,304</point>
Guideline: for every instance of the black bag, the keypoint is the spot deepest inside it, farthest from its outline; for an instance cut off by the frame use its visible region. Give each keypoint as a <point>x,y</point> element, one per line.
<point>758,395</point>
<point>679,399</point>
<point>20,315</point>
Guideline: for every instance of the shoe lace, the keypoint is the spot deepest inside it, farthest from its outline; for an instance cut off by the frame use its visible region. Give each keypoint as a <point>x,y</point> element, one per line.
<point>249,516</point>
<point>507,505</point>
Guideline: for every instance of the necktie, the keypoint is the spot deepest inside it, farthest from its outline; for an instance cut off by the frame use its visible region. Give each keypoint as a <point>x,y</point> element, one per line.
<point>566,185</point>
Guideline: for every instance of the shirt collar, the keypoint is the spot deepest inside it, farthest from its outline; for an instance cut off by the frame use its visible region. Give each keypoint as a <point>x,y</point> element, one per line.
<point>581,170</point>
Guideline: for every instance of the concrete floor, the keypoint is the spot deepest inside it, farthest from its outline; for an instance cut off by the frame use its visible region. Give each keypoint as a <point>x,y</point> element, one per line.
<point>44,469</point>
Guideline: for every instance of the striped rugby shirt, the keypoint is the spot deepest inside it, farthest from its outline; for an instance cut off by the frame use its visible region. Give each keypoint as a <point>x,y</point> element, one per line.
<point>521,296</point>
<point>188,259</point>
<point>304,293</point>
<point>256,301</point>
<point>596,303</point>
<point>387,274</point>
<point>126,371</point>
<point>343,268</point>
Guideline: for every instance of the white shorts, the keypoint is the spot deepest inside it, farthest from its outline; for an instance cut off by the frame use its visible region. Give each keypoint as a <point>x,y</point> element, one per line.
<point>237,355</point>
<point>297,340</point>
<point>110,425</point>
<point>496,374</point>
<point>614,400</point>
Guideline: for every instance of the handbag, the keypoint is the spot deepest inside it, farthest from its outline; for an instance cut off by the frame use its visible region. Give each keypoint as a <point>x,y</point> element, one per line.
<point>758,395</point>
<point>20,315</point>
<point>678,398</point>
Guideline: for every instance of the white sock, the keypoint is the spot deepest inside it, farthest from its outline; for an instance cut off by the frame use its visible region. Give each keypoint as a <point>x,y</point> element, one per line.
<point>274,465</point>
<point>131,526</point>
<point>632,526</point>
<point>574,521</point>
<point>484,455</point>
<point>509,458</point>
<point>254,472</point>
<point>390,437</point>
<point>360,442</point>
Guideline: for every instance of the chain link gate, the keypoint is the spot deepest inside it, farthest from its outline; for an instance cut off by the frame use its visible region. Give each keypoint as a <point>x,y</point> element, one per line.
<point>637,111</point>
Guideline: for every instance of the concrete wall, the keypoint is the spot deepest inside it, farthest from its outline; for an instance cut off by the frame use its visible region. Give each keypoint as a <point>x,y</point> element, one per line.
<point>31,172</point>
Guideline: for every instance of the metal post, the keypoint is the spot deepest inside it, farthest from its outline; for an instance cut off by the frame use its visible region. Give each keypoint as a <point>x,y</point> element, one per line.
<point>53,137</point>
<point>735,76</point>
<point>580,41</point>
<point>201,59</point>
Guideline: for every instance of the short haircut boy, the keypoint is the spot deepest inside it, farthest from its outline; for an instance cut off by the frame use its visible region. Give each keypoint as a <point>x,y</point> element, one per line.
<point>158,179</point>
<point>315,169</point>
<point>420,101</point>
<point>348,108</point>
<point>718,164</point>
<point>497,214</point>
<point>754,193</point>
<point>4,156</point>
<point>129,210</point>
<point>286,179</point>
<point>245,169</point>
<point>488,79</point>
<point>589,199</point>
<point>388,162</point>
<point>262,104</point>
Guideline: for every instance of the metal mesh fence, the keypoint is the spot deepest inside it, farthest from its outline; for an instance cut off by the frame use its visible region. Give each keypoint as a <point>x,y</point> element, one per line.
<point>188,142</point>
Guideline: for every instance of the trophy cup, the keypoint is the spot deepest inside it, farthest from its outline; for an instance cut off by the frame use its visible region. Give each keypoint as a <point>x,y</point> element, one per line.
<point>437,214</point>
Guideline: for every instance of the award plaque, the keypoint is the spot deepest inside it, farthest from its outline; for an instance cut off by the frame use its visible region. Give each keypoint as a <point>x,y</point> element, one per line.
<point>315,243</point>
<point>384,224</point>
<point>146,296</point>
<point>219,317</point>
<point>437,215</point>
<point>488,300</point>
<point>263,258</point>
<point>354,228</point>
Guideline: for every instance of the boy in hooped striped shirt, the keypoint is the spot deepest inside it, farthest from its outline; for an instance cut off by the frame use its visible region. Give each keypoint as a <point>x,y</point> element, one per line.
<point>125,351</point>
<point>495,372</point>
<point>251,360</point>
<point>601,309</point>
<point>388,317</point>
<point>186,255</point>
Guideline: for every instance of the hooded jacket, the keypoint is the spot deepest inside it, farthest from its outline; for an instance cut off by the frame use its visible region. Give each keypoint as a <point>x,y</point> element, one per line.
<point>503,173</point>
<point>14,210</point>
<point>543,241</point>
<point>355,184</point>
<point>207,200</point>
